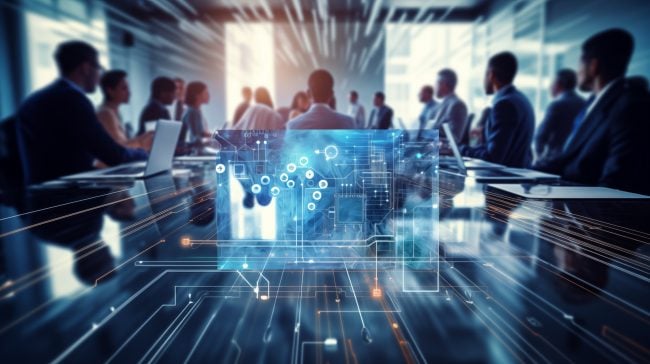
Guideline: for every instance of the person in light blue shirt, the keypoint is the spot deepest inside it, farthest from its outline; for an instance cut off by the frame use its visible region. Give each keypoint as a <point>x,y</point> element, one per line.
<point>196,95</point>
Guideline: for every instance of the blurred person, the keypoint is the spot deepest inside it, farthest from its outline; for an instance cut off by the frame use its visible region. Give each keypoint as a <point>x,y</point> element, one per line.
<point>607,145</point>
<point>115,88</point>
<point>356,110</point>
<point>509,128</point>
<point>425,96</point>
<point>57,128</point>
<point>381,116</point>
<point>451,109</point>
<point>261,115</point>
<point>247,95</point>
<point>196,95</point>
<point>558,120</point>
<point>179,108</point>
<point>163,93</point>
<point>320,114</point>
<point>299,105</point>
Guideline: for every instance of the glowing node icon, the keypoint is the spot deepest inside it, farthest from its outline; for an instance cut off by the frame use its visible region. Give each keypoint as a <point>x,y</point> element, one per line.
<point>311,206</point>
<point>284,177</point>
<point>322,183</point>
<point>220,168</point>
<point>291,167</point>
<point>291,184</point>
<point>256,188</point>
<point>303,161</point>
<point>316,195</point>
<point>331,152</point>
<point>309,174</point>
<point>275,191</point>
<point>265,180</point>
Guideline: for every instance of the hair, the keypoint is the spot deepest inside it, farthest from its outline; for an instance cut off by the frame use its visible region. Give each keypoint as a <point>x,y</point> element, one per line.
<point>178,79</point>
<point>246,89</point>
<point>354,93</point>
<point>567,79</point>
<point>161,85</point>
<point>110,80</point>
<point>612,48</point>
<point>503,66</point>
<point>262,96</point>
<point>380,95</point>
<point>72,54</point>
<point>299,95</point>
<point>428,88</point>
<point>449,77</point>
<point>321,85</point>
<point>194,89</point>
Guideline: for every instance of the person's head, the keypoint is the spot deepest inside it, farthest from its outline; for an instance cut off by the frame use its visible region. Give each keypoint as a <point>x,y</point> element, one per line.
<point>501,71</point>
<point>379,99</point>
<point>354,97</point>
<point>300,101</point>
<point>446,82</point>
<point>263,96</point>
<point>426,94</point>
<point>605,56</point>
<point>247,94</point>
<point>114,87</point>
<point>79,62</point>
<point>321,86</point>
<point>565,80</point>
<point>180,88</point>
<point>163,89</point>
<point>196,94</point>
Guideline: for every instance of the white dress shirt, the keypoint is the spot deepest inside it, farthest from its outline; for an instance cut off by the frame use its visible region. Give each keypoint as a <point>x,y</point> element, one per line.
<point>260,117</point>
<point>358,113</point>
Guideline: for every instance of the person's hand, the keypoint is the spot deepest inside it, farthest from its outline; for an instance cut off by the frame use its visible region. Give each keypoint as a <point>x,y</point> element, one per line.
<point>145,140</point>
<point>443,147</point>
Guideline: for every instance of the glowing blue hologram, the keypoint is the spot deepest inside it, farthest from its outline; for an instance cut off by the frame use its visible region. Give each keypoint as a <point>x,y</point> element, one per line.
<point>309,174</point>
<point>316,195</point>
<point>284,177</point>
<point>275,191</point>
<point>303,161</point>
<point>256,188</point>
<point>331,152</point>
<point>291,167</point>
<point>265,180</point>
<point>322,183</point>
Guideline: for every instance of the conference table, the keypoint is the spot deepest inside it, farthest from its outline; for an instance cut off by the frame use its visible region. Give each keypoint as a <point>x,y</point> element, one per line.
<point>135,270</point>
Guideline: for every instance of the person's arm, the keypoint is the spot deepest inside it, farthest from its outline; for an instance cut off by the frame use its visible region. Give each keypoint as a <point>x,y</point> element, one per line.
<point>546,129</point>
<point>499,134</point>
<point>361,117</point>
<point>457,118</point>
<point>112,127</point>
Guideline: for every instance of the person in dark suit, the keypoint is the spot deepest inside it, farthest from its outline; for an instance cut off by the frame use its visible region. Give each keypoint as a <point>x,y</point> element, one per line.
<point>163,94</point>
<point>608,143</point>
<point>381,116</point>
<point>508,131</point>
<point>558,121</point>
<point>179,104</point>
<point>58,131</point>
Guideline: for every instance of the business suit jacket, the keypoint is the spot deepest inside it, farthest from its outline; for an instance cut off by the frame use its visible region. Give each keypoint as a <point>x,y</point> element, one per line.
<point>59,134</point>
<point>508,131</point>
<point>610,148</point>
<point>384,118</point>
<point>451,110</point>
<point>557,124</point>
<point>154,111</point>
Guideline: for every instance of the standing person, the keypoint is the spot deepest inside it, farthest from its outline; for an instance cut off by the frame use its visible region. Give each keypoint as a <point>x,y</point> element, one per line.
<point>381,116</point>
<point>193,120</point>
<point>299,105</point>
<point>179,108</point>
<point>247,95</point>
<point>320,115</point>
<point>261,116</point>
<point>57,128</point>
<point>608,144</point>
<point>163,93</point>
<point>115,89</point>
<point>558,120</point>
<point>451,109</point>
<point>356,110</point>
<point>510,125</point>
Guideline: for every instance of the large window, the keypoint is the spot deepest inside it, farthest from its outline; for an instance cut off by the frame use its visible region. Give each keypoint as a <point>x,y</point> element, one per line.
<point>249,60</point>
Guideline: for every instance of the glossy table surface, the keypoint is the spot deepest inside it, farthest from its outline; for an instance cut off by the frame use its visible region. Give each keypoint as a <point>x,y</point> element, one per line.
<point>131,271</point>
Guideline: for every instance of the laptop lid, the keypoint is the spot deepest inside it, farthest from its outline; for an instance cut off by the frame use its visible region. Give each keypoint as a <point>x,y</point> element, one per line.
<point>164,146</point>
<point>454,148</point>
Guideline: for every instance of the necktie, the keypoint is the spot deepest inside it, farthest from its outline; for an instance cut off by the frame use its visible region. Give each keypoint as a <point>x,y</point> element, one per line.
<point>578,121</point>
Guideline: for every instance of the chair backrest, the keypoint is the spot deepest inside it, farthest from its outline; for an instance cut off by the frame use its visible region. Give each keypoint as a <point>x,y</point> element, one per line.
<point>11,170</point>
<point>468,127</point>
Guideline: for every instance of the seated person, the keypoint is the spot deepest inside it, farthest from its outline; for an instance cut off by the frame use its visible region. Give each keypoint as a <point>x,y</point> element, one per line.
<point>381,116</point>
<point>299,105</point>
<point>608,142</point>
<point>193,120</point>
<point>58,130</point>
<point>510,125</point>
<point>261,116</point>
<point>320,115</point>
<point>115,89</point>
<point>163,94</point>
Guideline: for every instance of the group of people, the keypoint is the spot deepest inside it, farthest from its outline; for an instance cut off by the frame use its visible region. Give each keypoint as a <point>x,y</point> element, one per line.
<point>599,141</point>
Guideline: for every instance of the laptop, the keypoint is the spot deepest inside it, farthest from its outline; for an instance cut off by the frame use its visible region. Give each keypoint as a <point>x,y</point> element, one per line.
<point>160,157</point>
<point>492,175</point>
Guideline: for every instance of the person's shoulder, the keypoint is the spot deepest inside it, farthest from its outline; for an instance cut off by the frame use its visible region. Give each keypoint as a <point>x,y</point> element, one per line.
<point>345,121</point>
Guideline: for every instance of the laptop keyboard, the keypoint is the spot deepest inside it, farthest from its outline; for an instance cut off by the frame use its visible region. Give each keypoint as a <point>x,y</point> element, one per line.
<point>127,170</point>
